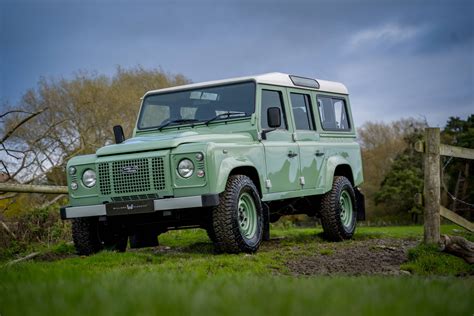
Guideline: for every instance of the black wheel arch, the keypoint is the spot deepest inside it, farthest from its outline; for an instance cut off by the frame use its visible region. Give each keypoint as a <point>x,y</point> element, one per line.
<point>344,170</point>
<point>250,172</point>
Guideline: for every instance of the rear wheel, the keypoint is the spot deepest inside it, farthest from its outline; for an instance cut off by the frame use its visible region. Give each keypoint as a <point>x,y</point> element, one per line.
<point>237,221</point>
<point>338,210</point>
<point>144,239</point>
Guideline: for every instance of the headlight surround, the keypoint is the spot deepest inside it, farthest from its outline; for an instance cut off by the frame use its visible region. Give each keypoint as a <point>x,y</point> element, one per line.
<point>89,178</point>
<point>185,168</point>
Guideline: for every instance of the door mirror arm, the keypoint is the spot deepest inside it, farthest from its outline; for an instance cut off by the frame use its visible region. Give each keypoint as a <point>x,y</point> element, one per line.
<point>266,131</point>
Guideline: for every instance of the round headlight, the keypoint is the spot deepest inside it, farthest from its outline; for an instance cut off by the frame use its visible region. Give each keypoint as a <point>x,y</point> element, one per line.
<point>72,170</point>
<point>185,168</point>
<point>89,178</point>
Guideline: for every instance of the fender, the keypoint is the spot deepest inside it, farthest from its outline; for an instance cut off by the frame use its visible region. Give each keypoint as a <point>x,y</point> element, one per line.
<point>225,168</point>
<point>331,166</point>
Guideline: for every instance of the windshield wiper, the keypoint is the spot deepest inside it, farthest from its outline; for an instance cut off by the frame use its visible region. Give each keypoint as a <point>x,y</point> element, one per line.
<point>176,122</point>
<point>225,115</point>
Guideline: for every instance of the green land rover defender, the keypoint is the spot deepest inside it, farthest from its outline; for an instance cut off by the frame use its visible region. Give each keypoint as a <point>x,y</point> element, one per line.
<point>228,156</point>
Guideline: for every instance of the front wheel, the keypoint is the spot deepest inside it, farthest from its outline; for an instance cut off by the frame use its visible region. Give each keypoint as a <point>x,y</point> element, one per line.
<point>237,221</point>
<point>91,236</point>
<point>338,210</point>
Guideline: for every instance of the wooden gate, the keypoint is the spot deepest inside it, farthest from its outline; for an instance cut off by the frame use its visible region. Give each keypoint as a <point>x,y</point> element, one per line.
<point>433,149</point>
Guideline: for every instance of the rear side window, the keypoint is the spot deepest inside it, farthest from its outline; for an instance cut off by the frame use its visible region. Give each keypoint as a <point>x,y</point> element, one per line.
<point>302,113</point>
<point>271,98</point>
<point>333,114</point>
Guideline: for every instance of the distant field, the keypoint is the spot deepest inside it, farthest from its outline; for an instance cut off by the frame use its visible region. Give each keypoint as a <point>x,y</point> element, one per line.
<point>296,273</point>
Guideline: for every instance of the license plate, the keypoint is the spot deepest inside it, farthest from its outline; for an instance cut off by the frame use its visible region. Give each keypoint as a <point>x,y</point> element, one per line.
<point>129,207</point>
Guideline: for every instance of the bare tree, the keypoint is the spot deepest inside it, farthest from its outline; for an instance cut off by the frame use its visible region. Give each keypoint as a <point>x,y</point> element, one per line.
<point>20,156</point>
<point>62,118</point>
<point>70,117</point>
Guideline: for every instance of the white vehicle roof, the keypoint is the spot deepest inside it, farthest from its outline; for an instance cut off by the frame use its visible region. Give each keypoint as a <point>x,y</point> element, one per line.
<point>274,78</point>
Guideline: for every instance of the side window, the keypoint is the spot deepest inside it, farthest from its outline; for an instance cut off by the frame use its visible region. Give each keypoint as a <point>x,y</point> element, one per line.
<point>333,114</point>
<point>302,112</point>
<point>271,98</point>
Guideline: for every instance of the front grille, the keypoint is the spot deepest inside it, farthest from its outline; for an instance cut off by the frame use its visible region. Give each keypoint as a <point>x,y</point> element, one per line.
<point>130,182</point>
<point>132,176</point>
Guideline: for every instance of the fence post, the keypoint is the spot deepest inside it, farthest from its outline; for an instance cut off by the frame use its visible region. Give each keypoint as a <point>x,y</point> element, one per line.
<point>432,186</point>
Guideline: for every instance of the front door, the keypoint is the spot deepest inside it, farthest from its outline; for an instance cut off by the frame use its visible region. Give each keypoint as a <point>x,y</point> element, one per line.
<point>281,151</point>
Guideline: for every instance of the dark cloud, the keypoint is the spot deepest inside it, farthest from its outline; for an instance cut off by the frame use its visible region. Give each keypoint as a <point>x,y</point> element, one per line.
<point>398,58</point>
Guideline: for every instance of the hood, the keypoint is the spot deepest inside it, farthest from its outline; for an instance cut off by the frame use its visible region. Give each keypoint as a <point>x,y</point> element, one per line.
<point>165,141</point>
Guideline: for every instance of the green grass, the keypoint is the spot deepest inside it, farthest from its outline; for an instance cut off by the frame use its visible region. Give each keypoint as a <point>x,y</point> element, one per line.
<point>142,290</point>
<point>326,252</point>
<point>189,278</point>
<point>427,260</point>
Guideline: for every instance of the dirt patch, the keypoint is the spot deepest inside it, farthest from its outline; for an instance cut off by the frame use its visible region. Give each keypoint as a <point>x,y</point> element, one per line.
<point>373,256</point>
<point>53,256</point>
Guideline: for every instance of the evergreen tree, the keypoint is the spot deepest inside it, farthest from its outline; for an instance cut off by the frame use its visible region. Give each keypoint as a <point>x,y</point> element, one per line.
<point>458,173</point>
<point>400,185</point>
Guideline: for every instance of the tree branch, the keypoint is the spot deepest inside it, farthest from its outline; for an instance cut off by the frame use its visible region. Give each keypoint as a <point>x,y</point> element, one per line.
<point>26,119</point>
<point>15,111</point>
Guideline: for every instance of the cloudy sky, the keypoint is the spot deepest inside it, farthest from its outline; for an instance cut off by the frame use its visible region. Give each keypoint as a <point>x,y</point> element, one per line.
<point>397,58</point>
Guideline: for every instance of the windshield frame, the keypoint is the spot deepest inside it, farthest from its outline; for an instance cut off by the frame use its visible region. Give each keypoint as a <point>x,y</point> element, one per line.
<point>203,122</point>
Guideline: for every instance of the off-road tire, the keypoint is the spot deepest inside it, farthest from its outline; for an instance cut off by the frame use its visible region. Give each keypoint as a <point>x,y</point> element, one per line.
<point>330,212</point>
<point>225,217</point>
<point>90,236</point>
<point>210,233</point>
<point>85,234</point>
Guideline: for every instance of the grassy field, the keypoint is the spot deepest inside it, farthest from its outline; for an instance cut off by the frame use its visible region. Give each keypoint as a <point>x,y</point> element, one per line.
<point>183,276</point>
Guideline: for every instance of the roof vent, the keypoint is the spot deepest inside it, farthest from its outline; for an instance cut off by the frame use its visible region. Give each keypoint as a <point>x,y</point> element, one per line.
<point>304,82</point>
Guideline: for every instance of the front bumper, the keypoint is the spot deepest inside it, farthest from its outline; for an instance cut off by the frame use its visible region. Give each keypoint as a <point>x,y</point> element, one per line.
<point>207,200</point>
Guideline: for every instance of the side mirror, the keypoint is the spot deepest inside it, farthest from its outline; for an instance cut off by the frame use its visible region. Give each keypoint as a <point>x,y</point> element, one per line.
<point>274,117</point>
<point>118,133</point>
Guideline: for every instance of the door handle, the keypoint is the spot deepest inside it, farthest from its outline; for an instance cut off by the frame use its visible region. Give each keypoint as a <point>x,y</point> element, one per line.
<point>292,154</point>
<point>319,153</point>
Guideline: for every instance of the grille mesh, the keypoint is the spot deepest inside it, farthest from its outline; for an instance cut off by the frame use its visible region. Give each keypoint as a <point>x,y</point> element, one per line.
<point>132,176</point>
<point>104,179</point>
<point>158,174</point>
<point>130,182</point>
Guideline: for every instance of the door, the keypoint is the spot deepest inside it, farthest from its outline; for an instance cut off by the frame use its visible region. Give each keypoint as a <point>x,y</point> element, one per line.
<point>281,151</point>
<point>310,151</point>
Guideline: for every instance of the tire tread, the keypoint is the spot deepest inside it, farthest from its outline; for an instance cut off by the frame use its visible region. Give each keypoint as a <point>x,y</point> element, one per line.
<point>227,233</point>
<point>330,210</point>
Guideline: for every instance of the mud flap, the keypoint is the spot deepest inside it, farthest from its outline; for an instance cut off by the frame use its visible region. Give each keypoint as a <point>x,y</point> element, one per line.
<point>266,222</point>
<point>360,203</point>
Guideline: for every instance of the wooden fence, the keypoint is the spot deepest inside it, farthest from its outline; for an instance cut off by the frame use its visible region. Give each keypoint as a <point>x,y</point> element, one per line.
<point>433,149</point>
<point>32,188</point>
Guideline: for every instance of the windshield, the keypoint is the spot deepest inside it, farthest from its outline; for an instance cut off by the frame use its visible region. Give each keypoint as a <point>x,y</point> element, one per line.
<point>198,105</point>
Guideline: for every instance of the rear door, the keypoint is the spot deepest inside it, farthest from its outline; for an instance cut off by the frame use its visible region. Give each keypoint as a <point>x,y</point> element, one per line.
<point>310,151</point>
